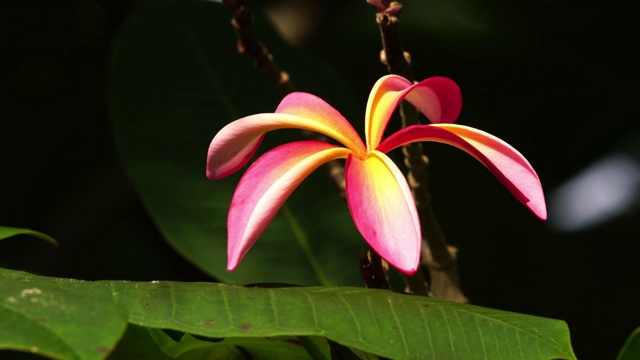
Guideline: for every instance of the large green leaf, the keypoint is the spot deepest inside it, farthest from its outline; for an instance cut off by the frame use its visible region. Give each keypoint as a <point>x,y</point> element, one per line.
<point>39,315</point>
<point>76,319</point>
<point>7,232</point>
<point>176,78</point>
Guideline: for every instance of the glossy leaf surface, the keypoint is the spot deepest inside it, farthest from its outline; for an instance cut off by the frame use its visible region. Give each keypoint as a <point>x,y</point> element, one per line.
<point>83,320</point>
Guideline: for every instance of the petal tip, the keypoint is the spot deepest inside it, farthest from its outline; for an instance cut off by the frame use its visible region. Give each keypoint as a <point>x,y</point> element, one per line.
<point>214,173</point>
<point>409,271</point>
<point>210,175</point>
<point>232,264</point>
<point>539,211</point>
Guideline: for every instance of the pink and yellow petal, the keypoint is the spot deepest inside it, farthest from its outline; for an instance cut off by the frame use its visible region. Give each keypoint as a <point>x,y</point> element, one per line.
<point>383,209</point>
<point>438,98</point>
<point>236,143</point>
<point>506,163</point>
<point>265,187</point>
<point>315,109</point>
<point>382,102</point>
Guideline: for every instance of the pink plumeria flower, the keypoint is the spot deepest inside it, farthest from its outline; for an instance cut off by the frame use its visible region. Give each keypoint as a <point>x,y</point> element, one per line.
<point>377,192</point>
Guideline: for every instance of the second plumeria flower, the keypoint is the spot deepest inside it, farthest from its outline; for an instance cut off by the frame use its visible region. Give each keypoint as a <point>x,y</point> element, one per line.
<point>377,192</point>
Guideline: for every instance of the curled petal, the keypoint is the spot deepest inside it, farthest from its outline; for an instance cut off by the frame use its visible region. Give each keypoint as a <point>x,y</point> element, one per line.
<point>506,163</point>
<point>265,187</point>
<point>383,209</point>
<point>438,98</point>
<point>236,143</point>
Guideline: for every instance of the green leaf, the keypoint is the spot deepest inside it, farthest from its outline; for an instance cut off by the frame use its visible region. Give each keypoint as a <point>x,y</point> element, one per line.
<point>344,353</point>
<point>257,348</point>
<point>137,344</point>
<point>41,316</point>
<point>7,232</point>
<point>317,347</point>
<point>631,348</point>
<point>382,323</point>
<point>175,80</point>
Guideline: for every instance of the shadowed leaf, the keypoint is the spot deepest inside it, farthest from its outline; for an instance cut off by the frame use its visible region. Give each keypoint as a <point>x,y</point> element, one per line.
<point>7,232</point>
<point>631,348</point>
<point>175,80</point>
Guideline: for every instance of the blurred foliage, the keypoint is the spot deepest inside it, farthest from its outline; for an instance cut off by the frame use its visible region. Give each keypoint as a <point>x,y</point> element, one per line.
<point>175,81</point>
<point>631,348</point>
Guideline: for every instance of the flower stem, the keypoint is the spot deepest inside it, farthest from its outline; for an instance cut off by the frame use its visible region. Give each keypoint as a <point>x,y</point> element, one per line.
<point>373,271</point>
<point>248,43</point>
<point>437,255</point>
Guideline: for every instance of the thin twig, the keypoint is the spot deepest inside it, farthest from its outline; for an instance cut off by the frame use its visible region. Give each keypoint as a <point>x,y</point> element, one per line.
<point>248,43</point>
<point>437,256</point>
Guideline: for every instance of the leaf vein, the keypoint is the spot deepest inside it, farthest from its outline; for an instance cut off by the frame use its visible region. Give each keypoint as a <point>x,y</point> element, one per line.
<point>547,341</point>
<point>399,326</point>
<point>448,326</point>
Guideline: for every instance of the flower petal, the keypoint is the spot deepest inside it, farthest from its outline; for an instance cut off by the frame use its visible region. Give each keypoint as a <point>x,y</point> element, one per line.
<point>506,163</point>
<point>383,209</point>
<point>266,185</point>
<point>315,109</point>
<point>236,143</point>
<point>438,98</point>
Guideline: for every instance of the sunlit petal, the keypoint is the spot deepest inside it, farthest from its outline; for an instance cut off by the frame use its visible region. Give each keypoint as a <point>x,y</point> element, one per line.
<point>236,143</point>
<point>317,110</point>
<point>505,162</point>
<point>266,185</point>
<point>438,98</point>
<point>382,102</point>
<point>383,209</point>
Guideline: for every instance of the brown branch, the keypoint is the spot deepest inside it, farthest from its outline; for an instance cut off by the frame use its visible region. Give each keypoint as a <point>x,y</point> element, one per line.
<point>248,43</point>
<point>437,256</point>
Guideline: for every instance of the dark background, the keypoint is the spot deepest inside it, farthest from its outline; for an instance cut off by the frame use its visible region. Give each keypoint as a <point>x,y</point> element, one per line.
<point>556,79</point>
